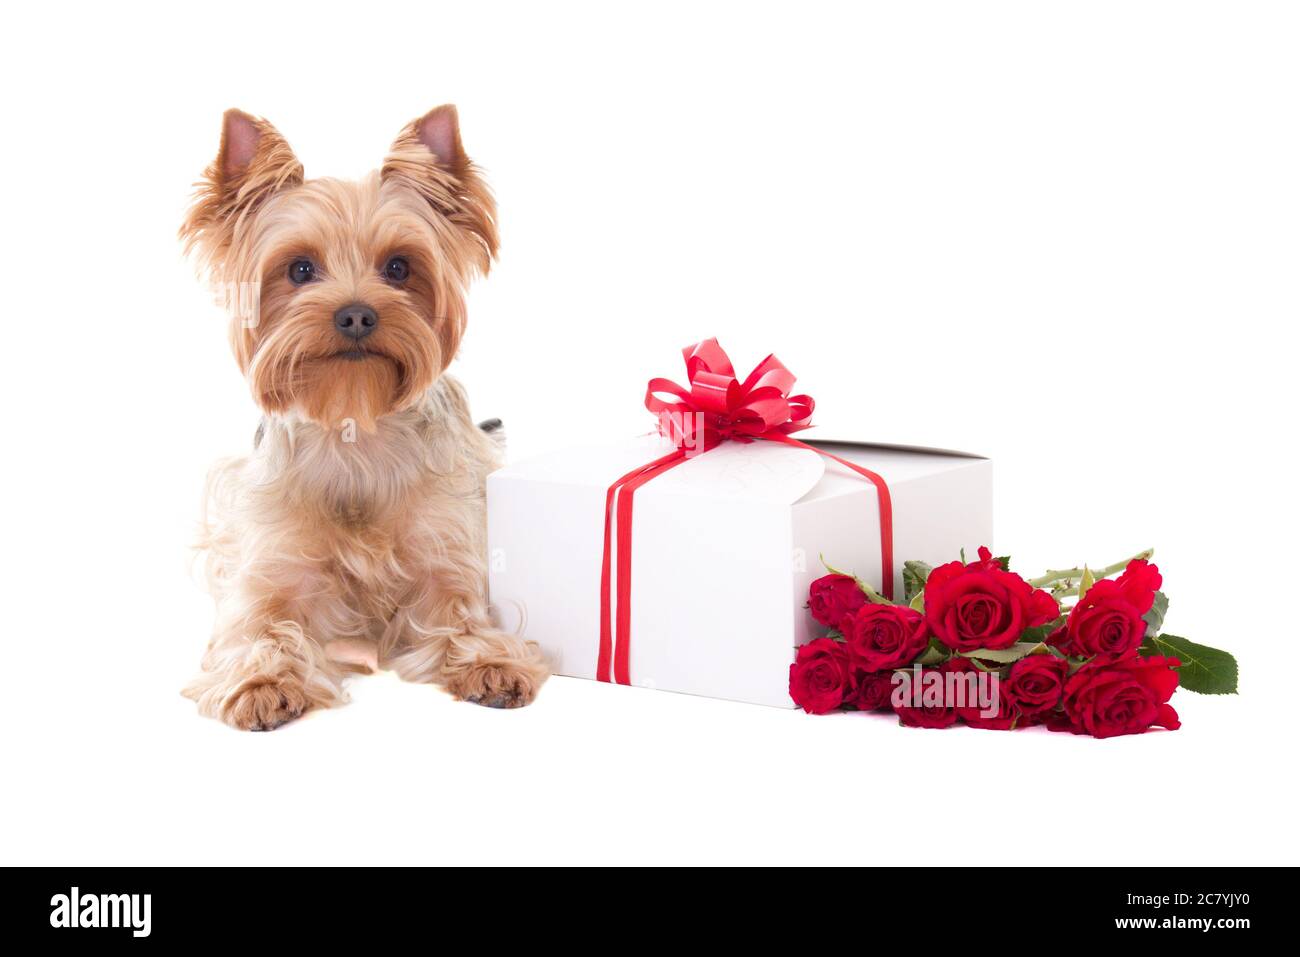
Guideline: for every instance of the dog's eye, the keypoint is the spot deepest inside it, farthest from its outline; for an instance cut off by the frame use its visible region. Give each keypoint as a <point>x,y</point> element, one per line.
<point>302,271</point>
<point>397,269</point>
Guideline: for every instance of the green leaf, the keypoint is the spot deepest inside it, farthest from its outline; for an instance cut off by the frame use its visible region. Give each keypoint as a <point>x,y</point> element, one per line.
<point>918,602</point>
<point>1042,632</point>
<point>935,654</point>
<point>1203,669</point>
<point>914,576</point>
<point>872,595</point>
<point>1086,582</point>
<point>1006,655</point>
<point>1004,561</point>
<point>832,569</point>
<point>1155,618</point>
<point>835,634</point>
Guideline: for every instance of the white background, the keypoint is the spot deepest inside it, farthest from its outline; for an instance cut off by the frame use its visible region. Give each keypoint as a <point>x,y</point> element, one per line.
<point>1063,235</point>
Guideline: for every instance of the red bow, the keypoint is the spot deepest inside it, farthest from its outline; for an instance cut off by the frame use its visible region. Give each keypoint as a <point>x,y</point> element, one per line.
<point>718,407</point>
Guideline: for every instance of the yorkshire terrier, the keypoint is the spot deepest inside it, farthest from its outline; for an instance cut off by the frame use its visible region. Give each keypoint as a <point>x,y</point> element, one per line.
<point>353,536</point>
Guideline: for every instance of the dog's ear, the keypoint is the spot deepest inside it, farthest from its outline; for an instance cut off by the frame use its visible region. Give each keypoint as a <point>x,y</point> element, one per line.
<point>252,164</point>
<point>427,156</point>
<point>439,131</point>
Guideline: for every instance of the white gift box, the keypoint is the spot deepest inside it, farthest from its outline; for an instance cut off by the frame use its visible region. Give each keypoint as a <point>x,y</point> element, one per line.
<point>724,547</point>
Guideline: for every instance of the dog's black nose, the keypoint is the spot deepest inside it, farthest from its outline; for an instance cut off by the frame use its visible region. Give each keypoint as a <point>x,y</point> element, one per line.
<point>356,321</point>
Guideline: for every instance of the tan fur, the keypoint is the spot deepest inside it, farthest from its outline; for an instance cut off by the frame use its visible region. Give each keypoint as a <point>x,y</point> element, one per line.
<point>355,530</point>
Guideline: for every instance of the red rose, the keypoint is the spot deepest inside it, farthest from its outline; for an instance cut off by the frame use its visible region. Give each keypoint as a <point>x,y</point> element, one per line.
<point>1036,683</point>
<point>980,605</point>
<point>1006,718</point>
<point>1059,639</point>
<point>910,702</point>
<point>832,597</point>
<point>1122,697</point>
<point>873,690</point>
<point>881,637</point>
<point>1107,621</point>
<point>1139,583</point>
<point>820,676</point>
<point>970,709</point>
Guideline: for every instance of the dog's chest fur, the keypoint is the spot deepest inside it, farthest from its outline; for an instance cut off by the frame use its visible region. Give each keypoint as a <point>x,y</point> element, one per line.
<point>355,525</point>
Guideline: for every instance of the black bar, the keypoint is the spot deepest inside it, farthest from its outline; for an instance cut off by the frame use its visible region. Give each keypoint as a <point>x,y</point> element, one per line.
<point>851,906</point>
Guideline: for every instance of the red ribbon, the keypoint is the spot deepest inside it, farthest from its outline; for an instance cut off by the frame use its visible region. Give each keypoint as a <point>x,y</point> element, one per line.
<point>716,407</point>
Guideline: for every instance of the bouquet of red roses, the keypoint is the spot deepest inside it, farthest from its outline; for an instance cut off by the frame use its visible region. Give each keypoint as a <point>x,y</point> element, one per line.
<point>977,643</point>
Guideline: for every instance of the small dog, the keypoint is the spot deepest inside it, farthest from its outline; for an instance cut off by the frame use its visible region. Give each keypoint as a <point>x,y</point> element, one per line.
<point>354,535</point>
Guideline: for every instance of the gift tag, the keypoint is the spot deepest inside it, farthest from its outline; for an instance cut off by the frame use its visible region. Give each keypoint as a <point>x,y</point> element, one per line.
<point>755,472</point>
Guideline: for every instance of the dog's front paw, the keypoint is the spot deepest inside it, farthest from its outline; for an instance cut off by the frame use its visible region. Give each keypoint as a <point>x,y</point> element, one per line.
<point>264,702</point>
<point>499,684</point>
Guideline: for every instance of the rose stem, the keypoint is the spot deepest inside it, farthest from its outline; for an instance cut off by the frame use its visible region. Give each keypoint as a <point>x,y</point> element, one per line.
<point>1098,573</point>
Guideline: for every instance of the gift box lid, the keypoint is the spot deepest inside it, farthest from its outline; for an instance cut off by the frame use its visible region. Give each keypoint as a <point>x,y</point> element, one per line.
<point>765,472</point>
